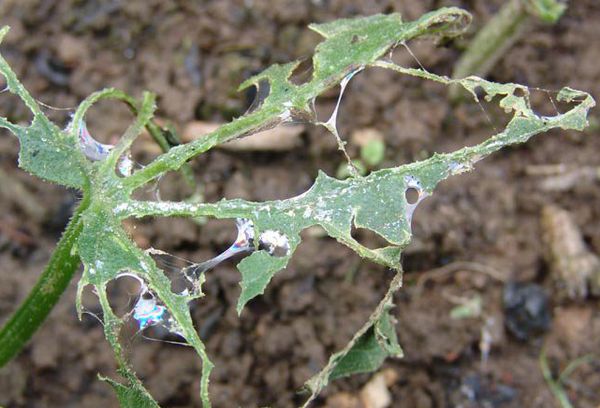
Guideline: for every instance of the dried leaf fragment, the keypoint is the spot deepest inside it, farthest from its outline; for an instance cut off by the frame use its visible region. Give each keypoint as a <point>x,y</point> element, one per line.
<point>575,269</point>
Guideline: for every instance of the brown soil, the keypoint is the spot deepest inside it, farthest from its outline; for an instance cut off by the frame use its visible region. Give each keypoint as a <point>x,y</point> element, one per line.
<point>193,57</point>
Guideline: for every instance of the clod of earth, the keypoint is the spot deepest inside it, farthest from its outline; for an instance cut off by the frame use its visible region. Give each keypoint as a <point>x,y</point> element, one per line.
<point>526,308</point>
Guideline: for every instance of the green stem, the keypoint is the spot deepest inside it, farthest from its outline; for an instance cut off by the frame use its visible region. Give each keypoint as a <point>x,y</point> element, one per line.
<point>158,134</point>
<point>500,33</point>
<point>491,42</point>
<point>155,131</point>
<point>45,294</point>
<point>179,155</point>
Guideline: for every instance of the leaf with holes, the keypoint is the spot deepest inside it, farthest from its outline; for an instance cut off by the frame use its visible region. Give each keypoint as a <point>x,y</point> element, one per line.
<point>376,202</point>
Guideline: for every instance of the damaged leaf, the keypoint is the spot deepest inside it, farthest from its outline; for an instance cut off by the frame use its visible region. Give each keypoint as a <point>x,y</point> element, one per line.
<point>376,202</point>
<point>130,397</point>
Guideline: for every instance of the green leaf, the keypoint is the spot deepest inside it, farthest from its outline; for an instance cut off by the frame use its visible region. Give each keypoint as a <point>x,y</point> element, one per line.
<point>131,397</point>
<point>376,202</point>
<point>371,345</point>
<point>257,271</point>
<point>46,151</point>
<point>50,154</point>
<point>549,11</point>
<point>336,57</point>
<point>365,356</point>
<point>370,350</point>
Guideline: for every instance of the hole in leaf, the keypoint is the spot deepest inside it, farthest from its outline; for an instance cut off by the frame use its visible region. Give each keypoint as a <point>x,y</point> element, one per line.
<point>368,238</point>
<point>544,102</point>
<point>412,195</point>
<point>150,357</point>
<point>122,294</point>
<point>324,105</point>
<point>303,72</point>
<point>171,186</point>
<point>14,109</point>
<point>258,94</point>
<point>177,269</point>
<point>92,312</point>
<point>414,54</point>
<point>181,263</point>
<point>58,114</point>
<point>145,148</point>
<point>103,129</point>
<point>520,92</point>
<point>479,119</point>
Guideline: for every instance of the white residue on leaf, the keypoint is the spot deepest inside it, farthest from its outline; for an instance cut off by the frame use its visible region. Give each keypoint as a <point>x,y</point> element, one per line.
<point>245,236</point>
<point>147,312</point>
<point>121,208</point>
<point>286,115</point>
<point>495,143</point>
<point>457,168</point>
<point>412,182</point>
<point>322,215</point>
<point>275,243</point>
<point>145,266</point>
<point>125,165</point>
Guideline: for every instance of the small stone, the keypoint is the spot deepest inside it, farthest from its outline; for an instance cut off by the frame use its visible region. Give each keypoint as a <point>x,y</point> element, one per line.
<point>71,50</point>
<point>343,400</point>
<point>375,393</point>
<point>526,309</point>
<point>363,137</point>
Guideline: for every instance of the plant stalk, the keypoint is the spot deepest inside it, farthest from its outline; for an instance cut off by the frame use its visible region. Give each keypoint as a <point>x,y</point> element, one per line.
<point>501,33</point>
<point>63,264</point>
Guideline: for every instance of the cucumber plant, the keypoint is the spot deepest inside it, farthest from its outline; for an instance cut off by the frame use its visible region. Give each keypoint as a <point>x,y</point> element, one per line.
<point>269,231</point>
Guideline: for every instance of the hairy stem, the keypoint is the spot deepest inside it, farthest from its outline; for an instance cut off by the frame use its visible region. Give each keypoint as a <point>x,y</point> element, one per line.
<point>45,294</point>
<point>179,155</point>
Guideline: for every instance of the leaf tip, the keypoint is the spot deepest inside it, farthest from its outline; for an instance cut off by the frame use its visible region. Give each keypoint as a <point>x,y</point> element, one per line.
<point>3,32</point>
<point>446,21</point>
